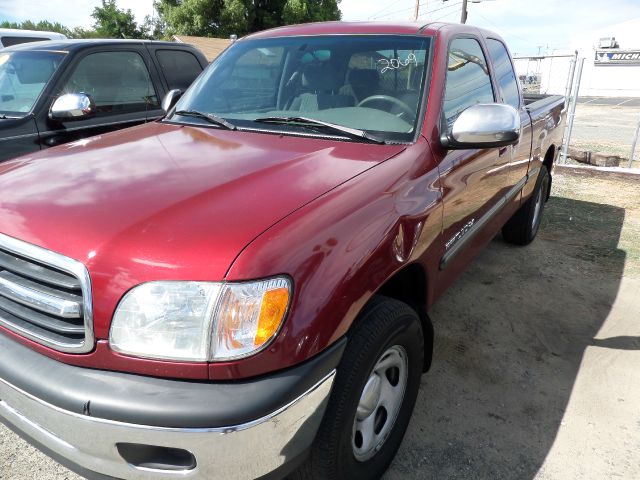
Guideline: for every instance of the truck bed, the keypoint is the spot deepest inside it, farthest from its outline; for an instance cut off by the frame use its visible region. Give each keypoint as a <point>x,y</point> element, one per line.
<point>537,101</point>
<point>539,105</point>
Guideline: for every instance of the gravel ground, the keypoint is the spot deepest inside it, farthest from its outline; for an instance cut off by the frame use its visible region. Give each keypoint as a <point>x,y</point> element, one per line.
<point>536,355</point>
<point>537,350</point>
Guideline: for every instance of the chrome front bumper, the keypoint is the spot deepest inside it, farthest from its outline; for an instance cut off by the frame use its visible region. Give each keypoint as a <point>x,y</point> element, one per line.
<point>245,451</point>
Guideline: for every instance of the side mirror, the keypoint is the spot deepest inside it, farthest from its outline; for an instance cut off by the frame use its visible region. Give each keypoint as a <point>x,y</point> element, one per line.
<point>72,106</point>
<point>170,99</point>
<point>484,126</point>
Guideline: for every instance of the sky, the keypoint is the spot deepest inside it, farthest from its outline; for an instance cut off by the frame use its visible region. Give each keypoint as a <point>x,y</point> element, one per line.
<point>528,26</point>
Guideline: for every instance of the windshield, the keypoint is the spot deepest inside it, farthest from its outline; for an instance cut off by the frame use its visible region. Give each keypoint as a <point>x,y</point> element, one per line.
<point>372,83</point>
<point>23,76</point>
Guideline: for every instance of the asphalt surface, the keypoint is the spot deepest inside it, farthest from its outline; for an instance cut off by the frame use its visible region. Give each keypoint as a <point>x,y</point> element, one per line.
<point>536,356</point>
<point>611,101</point>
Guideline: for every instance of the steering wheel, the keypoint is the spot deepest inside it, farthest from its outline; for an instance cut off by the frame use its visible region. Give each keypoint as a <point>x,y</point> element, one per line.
<point>394,101</point>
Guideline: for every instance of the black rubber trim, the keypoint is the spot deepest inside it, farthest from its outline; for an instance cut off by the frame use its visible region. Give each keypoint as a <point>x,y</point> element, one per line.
<point>159,402</point>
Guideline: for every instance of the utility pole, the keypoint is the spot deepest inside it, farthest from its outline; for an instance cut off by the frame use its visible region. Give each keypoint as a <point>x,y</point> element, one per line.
<point>417,11</point>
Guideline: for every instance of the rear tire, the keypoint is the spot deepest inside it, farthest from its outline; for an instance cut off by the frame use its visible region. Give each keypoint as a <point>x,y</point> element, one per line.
<point>522,228</point>
<point>373,395</point>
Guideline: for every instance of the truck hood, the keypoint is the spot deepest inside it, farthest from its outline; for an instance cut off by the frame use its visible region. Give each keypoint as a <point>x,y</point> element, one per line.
<point>166,201</point>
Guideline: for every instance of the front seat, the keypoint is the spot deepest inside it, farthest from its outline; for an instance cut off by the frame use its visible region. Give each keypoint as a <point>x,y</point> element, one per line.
<point>320,85</point>
<point>362,83</point>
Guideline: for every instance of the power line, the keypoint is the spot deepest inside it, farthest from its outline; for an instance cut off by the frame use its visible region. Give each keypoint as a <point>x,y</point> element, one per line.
<point>391,13</point>
<point>445,15</point>
<point>441,8</point>
<point>392,4</point>
<point>379,13</point>
<point>506,33</point>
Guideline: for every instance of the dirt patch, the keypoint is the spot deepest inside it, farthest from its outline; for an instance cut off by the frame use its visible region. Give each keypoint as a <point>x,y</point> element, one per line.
<point>576,219</point>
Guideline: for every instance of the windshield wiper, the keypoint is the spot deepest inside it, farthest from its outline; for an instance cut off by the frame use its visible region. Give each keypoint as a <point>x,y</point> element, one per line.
<point>355,133</point>
<point>211,118</point>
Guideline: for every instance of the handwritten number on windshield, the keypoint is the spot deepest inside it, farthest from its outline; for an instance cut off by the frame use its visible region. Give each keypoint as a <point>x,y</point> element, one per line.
<point>395,63</point>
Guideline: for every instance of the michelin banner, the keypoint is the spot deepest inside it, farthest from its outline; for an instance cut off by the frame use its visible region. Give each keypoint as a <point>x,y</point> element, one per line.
<point>617,57</point>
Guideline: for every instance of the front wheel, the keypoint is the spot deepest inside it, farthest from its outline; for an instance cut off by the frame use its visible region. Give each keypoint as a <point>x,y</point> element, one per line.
<point>373,395</point>
<point>522,228</point>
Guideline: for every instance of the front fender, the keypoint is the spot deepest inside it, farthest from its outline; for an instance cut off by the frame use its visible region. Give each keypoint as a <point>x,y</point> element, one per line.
<point>339,250</point>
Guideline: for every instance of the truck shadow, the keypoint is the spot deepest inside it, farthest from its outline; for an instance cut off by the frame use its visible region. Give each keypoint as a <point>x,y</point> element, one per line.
<point>510,338</point>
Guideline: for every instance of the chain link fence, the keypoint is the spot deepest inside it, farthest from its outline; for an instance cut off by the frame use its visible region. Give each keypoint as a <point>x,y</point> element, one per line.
<point>606,122</point>
<point>544,74</point>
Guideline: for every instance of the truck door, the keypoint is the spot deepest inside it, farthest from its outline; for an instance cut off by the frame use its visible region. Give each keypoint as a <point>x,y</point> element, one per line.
<point>18,136</point>
<point>509,93</point>
<point>473,181</point>
<point>119,81</point>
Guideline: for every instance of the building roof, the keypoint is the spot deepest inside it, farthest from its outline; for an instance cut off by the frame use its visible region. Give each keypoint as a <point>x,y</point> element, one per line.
<point>211,47</point>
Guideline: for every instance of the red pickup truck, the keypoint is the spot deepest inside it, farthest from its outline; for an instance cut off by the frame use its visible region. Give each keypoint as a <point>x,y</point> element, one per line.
<point>241,289</point>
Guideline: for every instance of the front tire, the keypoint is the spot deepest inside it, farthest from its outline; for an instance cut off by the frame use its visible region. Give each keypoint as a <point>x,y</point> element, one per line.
<point>373,395</point>
<point>523,227</point>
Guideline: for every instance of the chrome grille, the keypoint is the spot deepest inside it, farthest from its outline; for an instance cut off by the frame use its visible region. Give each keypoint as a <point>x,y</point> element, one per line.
<point>45,296</point>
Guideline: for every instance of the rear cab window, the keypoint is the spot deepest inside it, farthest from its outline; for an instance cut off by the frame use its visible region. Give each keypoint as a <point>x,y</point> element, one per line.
<point>179,68</point>
<point>254,78</point>
<point>468,81</point>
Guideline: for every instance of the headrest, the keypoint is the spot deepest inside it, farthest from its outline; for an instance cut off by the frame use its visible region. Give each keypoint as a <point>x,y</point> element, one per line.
<point>364,76</point>
<point>99,73</point>
<point>319,77</point>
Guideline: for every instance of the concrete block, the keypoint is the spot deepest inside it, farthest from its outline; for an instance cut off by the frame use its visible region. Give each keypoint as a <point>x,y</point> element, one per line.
<point>604,160</point>
<point>578,155</point>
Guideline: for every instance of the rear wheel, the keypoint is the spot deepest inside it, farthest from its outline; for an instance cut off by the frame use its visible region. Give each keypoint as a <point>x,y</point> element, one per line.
<point>522,228</point>
<point>373,395</point>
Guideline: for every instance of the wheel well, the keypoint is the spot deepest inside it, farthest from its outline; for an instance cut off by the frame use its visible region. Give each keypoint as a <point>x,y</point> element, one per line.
<point>409,285</point>
<point>548,162</point>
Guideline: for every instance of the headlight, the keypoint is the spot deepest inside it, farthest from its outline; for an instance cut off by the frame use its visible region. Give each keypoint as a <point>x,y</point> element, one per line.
<point>199,321</point>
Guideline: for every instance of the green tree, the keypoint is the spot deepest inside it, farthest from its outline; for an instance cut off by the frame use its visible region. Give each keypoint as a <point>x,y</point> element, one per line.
<point>211,18</point>
<point>190,17</point>
<point>112,22</point>
<point>324,10</point>
<point>295,11</point>
<point>234,18</point>
<point>43,25</point>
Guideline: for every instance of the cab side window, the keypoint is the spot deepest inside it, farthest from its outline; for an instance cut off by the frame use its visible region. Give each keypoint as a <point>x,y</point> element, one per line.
<point>119,82</point>
<point>468,81</point>
<point>504,73</point>
<point>180,68</point>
